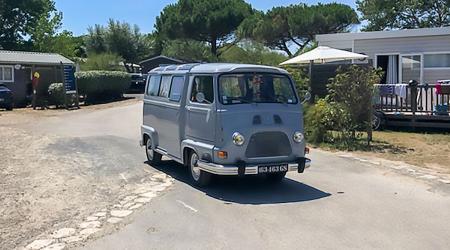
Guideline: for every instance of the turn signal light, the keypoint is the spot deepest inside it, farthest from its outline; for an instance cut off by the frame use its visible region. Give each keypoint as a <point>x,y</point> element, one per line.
<point>222,154</point>
<point>306,150</point>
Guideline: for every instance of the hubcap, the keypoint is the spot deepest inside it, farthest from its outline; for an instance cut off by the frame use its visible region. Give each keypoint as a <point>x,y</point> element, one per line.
<point>149,150</point>
<point>195,169</point>
<point>376,122</point>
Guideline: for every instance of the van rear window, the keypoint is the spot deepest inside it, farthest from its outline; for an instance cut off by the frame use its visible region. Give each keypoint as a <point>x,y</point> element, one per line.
<point>153,85</point>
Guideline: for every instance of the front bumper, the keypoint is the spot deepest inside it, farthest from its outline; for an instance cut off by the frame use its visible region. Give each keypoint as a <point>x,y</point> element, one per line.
<point>5,101</point>
<point>244,170</point>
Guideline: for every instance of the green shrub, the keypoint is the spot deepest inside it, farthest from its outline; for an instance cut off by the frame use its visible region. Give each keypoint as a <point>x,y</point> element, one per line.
<point>317,121</point>
<point>346,110</point>
<point>56,94</point>
<point>98,86</point>
<point>350,95</point>
<point>300,77</point>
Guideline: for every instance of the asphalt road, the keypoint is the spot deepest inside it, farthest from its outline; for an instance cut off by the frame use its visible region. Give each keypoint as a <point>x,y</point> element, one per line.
<point>337,204</point>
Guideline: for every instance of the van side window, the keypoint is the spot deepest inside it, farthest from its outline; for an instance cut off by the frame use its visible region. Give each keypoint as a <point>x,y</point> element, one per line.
<point>153,85</point>
<point>203,84</point>
<point>165,86</point>
<point>176,88</point>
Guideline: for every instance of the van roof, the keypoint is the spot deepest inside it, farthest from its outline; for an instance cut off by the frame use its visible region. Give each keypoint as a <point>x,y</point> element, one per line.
<point>216,68</point>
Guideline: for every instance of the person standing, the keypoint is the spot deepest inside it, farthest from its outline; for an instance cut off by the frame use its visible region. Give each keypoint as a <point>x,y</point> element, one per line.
<point>35,83</point>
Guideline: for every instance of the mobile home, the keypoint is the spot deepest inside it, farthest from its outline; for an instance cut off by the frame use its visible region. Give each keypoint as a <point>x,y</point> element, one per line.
<point>422,55</point>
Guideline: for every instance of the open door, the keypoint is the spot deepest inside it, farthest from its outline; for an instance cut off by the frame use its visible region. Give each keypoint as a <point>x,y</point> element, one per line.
<point>390,66</point>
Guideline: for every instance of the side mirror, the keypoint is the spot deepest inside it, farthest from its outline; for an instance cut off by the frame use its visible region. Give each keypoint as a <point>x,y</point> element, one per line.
<point>200,97</point>
<point>307,97</point>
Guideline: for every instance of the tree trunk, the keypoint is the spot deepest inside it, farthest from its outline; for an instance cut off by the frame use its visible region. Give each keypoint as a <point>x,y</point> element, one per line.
<point>286,49</point>
<point>214,47</point>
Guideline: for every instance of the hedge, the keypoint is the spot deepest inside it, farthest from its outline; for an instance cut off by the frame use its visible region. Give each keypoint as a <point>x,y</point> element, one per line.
<point>99,86</point>
<point>56,94</point>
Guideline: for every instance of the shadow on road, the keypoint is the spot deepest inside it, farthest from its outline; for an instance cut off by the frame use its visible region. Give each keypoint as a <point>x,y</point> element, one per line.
<point>248,190</point>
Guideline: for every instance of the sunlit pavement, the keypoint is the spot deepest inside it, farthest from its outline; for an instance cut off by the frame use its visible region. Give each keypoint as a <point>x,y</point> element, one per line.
<point>337,203</point>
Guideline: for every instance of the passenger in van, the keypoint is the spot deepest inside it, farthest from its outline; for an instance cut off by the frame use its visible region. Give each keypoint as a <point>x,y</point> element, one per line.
<point>267,90</point>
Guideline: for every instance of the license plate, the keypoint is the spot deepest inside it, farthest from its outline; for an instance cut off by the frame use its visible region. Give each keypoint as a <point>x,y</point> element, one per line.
<point>273,169</point>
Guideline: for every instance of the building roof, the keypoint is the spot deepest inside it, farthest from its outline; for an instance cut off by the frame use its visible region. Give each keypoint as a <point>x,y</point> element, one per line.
<point>216,68</point>
<point>384,34</point>
<point>24,57</point>
<point>161,57</point>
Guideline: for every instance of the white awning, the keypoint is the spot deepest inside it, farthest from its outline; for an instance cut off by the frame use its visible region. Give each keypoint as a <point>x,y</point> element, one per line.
<point>323,54</point>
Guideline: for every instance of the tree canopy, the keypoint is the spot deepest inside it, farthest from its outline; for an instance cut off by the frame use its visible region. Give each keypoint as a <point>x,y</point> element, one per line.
<point>25,22</point>
<point>253,53</point>
<point>404,14</point>
<point>119,38</point>
<point>293,27</point>
<point>213,22</point>
<point>188,50</point>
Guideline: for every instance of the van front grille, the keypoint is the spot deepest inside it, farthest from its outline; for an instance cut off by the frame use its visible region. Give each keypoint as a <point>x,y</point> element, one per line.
<point>268,144</point>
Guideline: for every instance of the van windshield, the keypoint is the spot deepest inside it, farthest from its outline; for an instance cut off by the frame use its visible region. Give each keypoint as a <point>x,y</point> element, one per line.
<point>256,88</point>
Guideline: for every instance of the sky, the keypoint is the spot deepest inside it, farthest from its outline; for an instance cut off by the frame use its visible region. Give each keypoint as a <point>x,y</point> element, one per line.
<point>78,15</point>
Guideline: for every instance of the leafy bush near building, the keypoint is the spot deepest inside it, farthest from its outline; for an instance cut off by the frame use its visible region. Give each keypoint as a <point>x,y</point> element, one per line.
<point>346,111</point>
<point>300,77</point>
<point>56,94</point>
<point>98,86</point>
<point>316,121</point>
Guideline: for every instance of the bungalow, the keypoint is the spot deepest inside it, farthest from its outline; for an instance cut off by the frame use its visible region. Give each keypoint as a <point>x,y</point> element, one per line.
<point>422,55</point>
<point>416,54</point>
<point>154,62</point>
<point>17,68</point>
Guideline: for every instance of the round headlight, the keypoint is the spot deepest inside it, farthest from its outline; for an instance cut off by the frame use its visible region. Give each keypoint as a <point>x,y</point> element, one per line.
<point>298,137</point>
<point>238,139</point>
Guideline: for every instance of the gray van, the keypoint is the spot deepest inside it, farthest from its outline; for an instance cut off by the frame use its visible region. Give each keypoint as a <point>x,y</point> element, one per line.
<point>224,119</point>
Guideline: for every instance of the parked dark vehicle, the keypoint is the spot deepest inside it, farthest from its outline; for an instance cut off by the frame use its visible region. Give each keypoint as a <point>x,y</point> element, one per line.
<point>6,98</point>
<point>138,81</point>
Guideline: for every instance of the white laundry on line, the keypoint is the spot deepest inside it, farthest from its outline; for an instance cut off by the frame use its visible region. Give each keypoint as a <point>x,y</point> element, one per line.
<point>400,90</point>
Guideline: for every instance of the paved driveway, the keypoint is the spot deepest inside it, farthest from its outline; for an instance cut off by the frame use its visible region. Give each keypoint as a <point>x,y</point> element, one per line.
<point>338,203</point>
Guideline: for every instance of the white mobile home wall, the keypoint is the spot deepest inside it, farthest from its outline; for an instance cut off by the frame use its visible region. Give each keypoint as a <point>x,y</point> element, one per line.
<point>407,45</point>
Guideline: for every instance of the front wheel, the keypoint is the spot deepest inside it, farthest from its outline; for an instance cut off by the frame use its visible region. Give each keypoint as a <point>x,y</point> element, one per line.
<point>153,157</point>
<point>199,177</point>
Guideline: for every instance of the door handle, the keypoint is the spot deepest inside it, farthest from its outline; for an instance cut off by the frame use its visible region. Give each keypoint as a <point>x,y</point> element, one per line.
<point>188,108</point>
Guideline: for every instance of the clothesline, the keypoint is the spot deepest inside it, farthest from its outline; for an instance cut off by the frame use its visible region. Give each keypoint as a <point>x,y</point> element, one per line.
<point>392,89</point>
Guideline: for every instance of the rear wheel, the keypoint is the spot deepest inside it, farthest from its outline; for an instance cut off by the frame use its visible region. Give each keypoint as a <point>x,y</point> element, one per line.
<point>276,177</point>
<point>153,157</point>
<point>377,121</point>
<point>10,107</point>
<point>199,177</point>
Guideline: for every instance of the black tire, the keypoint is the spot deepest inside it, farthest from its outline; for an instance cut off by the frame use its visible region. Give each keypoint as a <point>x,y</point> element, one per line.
<point>276,177</point>
<point>9,108</point>
<point>153,157</point>
<point>199,177</point>
<point>377,121</point>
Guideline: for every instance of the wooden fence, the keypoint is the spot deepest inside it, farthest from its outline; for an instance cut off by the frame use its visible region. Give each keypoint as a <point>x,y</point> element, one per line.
<point>422,105</point>
<point>420,99</point>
